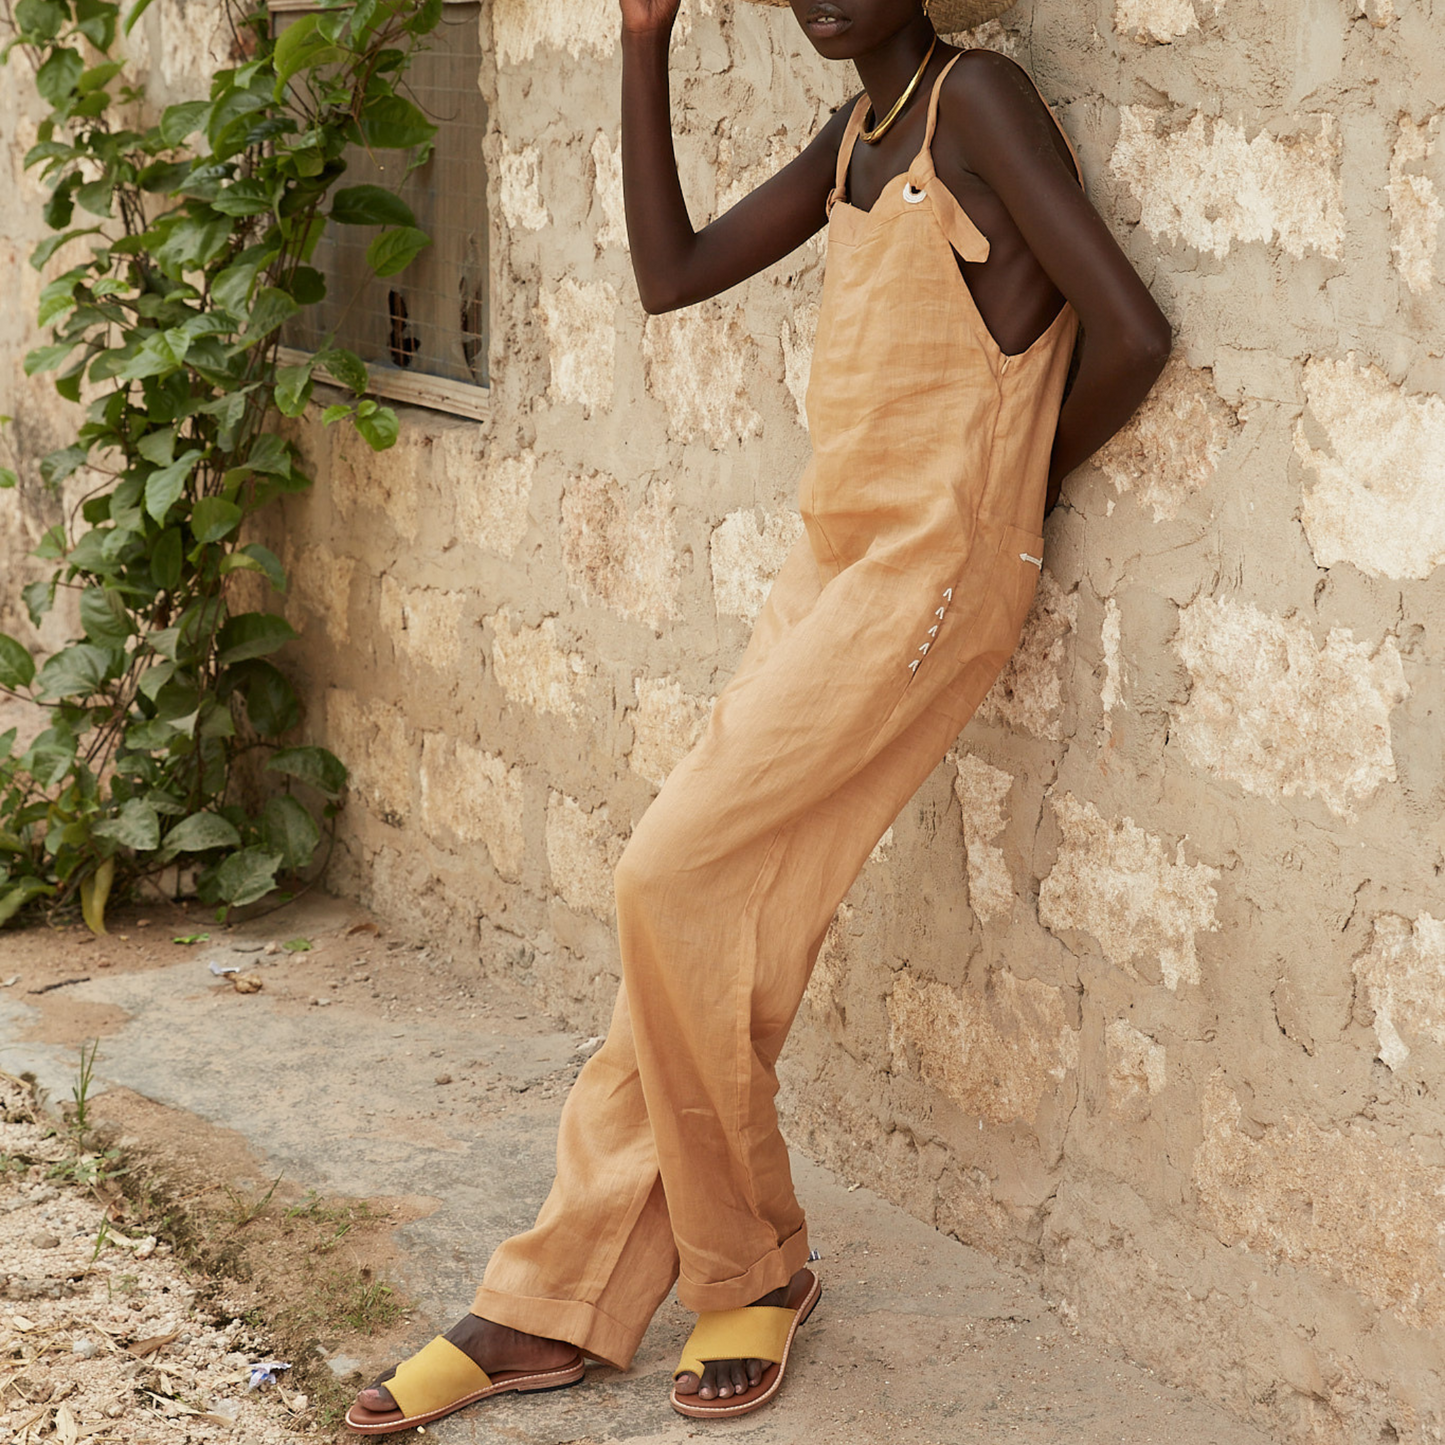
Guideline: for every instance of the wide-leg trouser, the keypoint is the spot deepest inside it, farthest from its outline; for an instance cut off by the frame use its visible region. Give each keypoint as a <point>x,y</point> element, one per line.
<point>670,1163</point>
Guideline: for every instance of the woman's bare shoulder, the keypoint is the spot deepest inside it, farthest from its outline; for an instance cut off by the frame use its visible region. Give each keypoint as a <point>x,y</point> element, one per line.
<point>990,107</point>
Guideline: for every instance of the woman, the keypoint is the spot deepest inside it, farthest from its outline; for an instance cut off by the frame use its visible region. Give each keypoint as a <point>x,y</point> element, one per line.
<point>962,258</point>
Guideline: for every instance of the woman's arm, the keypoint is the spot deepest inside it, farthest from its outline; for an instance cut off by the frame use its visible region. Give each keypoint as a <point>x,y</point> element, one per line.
<point>675,265</point>
<point>1010,143</point>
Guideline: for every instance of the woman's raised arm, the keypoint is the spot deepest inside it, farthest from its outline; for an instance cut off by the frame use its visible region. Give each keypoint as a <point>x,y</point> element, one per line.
<point>674,264</point>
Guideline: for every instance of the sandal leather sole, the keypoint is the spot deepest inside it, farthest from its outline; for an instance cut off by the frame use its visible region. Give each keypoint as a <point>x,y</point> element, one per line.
<point>370,1422</point>
<point>765,1389</point>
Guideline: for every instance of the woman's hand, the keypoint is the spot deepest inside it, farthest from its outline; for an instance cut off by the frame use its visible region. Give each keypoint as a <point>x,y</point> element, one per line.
<point>649,17</point>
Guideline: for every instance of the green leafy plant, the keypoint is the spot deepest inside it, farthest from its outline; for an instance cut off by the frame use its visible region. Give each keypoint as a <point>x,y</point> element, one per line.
<point>186,246</point>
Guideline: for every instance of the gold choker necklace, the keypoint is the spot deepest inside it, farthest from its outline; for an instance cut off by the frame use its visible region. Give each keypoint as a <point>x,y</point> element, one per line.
<point>881,129</point>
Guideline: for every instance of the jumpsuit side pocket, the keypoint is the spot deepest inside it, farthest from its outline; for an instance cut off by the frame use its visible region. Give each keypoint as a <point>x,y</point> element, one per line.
<point>1022,558</point>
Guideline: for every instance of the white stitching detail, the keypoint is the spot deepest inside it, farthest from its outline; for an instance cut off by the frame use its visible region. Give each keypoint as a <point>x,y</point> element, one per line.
<point>1037,561</point>
<point>913,666</point>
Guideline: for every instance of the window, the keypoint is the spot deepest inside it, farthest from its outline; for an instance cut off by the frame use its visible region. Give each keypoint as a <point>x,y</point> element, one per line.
<point>423,333</point>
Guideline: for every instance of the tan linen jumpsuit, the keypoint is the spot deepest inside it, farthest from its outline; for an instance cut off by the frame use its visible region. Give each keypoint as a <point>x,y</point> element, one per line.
<point>923,505</point>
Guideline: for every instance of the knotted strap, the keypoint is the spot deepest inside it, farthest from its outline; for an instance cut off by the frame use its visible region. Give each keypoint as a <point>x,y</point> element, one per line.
<point>436,1376</point>
<point>754,1332</point>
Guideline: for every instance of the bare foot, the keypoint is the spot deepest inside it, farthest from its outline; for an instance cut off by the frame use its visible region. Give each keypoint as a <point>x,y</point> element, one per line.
<point>722,1379</point>
<point>494,1347</point>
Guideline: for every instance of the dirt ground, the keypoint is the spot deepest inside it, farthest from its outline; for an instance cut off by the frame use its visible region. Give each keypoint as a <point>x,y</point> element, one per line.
<point>239,1264</point>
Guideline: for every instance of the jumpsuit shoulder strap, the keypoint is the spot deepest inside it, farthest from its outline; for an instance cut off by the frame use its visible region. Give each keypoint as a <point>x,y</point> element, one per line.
<point>845,150</point>
<point>927,146</point>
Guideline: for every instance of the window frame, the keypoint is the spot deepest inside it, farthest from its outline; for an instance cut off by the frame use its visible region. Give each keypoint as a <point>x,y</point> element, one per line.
<point>437,393</point>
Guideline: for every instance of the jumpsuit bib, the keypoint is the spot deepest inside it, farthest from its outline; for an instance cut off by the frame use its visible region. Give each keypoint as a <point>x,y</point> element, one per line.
<point>902,601</point>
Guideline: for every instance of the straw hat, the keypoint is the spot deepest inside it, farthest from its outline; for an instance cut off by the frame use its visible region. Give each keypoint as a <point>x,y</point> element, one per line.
<point>951,16</point>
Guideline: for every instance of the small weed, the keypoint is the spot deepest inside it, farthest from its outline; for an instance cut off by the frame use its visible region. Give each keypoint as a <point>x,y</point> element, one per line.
<point>297,945</point>
<point>244,1212</point>
<point>85,1169</point>
<point>124,1285</point>
<point>368,1305</point>
<point>102,1238</point>
<point>12,1164</point>
<point>80,1090</point>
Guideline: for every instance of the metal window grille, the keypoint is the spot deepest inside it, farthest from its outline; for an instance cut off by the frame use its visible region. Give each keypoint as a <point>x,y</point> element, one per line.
<point>423,333</point>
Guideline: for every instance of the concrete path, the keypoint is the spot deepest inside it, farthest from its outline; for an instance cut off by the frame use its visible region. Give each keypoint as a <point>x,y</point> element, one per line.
<point>917,1339</point>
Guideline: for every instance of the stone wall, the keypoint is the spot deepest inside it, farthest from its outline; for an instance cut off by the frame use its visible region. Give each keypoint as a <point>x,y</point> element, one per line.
<point>1146,988</point>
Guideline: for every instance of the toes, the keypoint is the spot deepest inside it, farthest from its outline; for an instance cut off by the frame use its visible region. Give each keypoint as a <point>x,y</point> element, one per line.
<point>376,1399</point>
<point>739,1372</point>
<point>686,1384</point>
<point>755,1373</point>
<point>711,1387</point>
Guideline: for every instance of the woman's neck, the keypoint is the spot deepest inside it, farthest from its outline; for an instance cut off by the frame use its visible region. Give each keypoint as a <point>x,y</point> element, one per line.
<point>886,71</point>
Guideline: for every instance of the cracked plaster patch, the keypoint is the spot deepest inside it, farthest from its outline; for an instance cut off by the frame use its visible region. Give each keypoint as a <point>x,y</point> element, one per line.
<point>1170,447</point>
<point>1114,881</point>
<point>491,495</point>
<point>1157,22</point>
<point>521,27</point>
<point>1029,692</point>
<point>1137,1069</point>
<point>1341,1201</point>
<point>424,622</point>
<point>995,1052</point>
<point>982,791</point>
<point>1403,976</point>
<point>1379,497</point>
<point>532,668</point>
<point>582,850</point>
<point>321,586</point>
<point>622,557</point>
<point>611,229</point>
<point>698,362</point>
<point>1415,208</point>
<point>1279,715</point>
<point>745,559</point>
<point>519,188</point>
<point>475,795</point>
<point>666,722</point>
<point>372,737</point>
<point>580,321</point>
<point>1209,187</point>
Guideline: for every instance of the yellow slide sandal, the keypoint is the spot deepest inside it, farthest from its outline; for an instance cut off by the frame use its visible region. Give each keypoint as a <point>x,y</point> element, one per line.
<point>440,1378</point>
<point>755,1332</point>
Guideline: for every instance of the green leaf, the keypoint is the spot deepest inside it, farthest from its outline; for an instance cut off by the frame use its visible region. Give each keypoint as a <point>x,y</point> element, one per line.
<point>193,243</point>
<point>213,518</point>
<point>8,479</point>
<point>308,285</point>
<point>17,667</point>
<point>190,938</point>
<point>288,829</point>
<point>336,413</point>
<point>247,876</point>
<point>17,895</point>
<point>347,367</point>
<point>394,251</point>
<point>103,617</point>
<point>243,198</point>
<point>200,832</point>
<point>269,454</point>
<point>161,353</point>
<point>253,557</point>
<point>312,765</point>
<point>95,894</point>
<point>271,703</point>
<point>253,634</point>
<point>137,10</point>
<point>39,598</point>
<point>135,825</point>
<point>297,945</point>
<point>41,255</point>
<point>273,308</point>
<point>302,47</point>
<point>100,75</point>
<point>166,559</point>
<point>391,122</point>
<point>370,206</point>
<point>39,20</point>
<point>158,446</point>
<point>58,76</point>
<point>427,18</point>
<point>185,119</point>
<point>77,671</point>
<point>379,428</point>
<point>95,197</point>
<point>293,388</point>
<point>56,466</point>
<point>163,487</point>
<point>47,358</point>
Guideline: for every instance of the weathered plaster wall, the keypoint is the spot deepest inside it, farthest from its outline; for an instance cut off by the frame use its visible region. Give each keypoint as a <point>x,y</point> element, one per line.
<point>1147,987</point>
